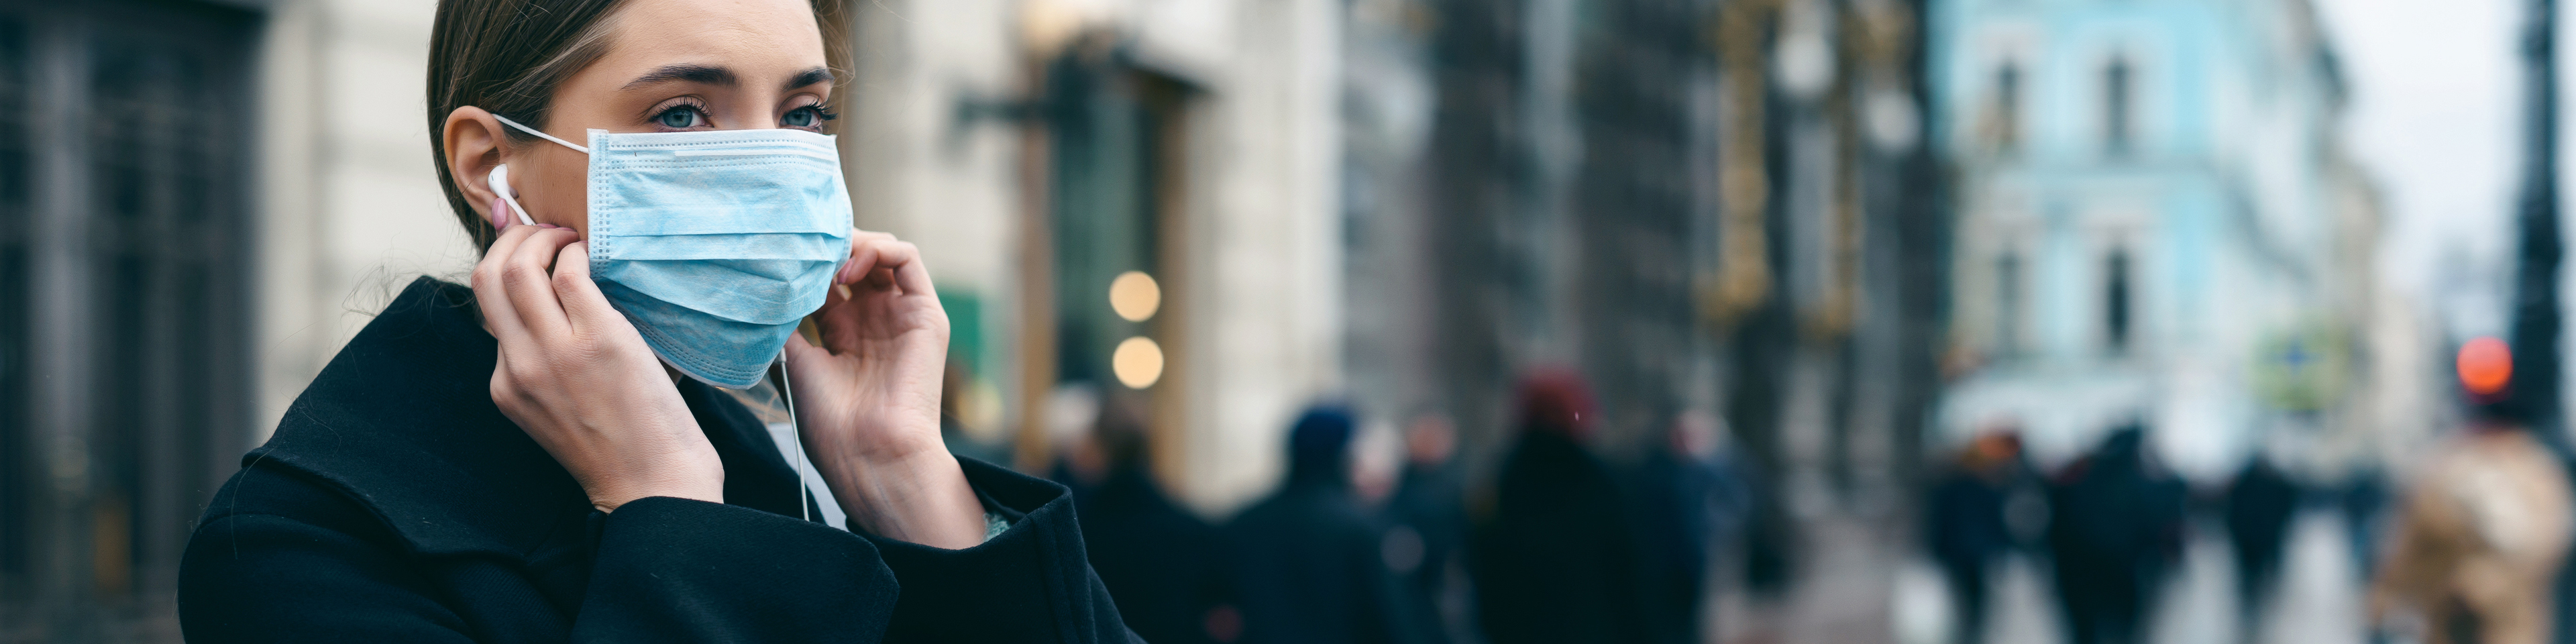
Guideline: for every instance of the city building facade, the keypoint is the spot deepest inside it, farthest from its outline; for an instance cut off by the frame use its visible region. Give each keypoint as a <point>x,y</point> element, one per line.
<point>2156,225</point>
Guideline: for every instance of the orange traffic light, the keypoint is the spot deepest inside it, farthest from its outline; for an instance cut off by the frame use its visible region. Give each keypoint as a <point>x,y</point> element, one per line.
<point>2486,365</point>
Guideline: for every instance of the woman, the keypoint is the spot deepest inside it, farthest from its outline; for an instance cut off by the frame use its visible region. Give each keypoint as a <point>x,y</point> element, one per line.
<point>547,456</point>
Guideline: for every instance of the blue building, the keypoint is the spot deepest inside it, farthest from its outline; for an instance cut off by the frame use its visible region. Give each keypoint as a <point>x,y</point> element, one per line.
<point>2156,223</point>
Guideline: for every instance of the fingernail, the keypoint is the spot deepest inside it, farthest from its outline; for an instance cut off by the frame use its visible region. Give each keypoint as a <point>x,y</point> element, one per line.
<point>500,214</point>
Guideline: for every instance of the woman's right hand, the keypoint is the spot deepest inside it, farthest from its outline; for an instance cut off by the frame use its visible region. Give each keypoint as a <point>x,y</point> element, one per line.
<point>575,375</point>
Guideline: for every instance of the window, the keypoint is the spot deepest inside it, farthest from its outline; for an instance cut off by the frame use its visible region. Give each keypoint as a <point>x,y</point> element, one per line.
<point>2007,109</point>
<point>1113,128</point>
<point>1116,132</point>
<point>2116,310</point>
<point>2118,115</point>
<point>2008,313</point>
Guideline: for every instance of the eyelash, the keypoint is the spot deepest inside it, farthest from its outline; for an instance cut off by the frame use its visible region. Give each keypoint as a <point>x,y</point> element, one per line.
<point>685,104</point>
<point>822,113</point>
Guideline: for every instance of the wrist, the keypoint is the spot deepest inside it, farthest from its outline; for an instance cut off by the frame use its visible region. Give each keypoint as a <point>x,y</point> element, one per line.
<point>921,497</point>
<point>699,479</point>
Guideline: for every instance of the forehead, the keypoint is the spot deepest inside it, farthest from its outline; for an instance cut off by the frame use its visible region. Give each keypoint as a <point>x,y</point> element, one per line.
<point>752,37</point>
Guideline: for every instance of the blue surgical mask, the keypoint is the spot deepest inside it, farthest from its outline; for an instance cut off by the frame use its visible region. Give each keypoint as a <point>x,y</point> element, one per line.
<point>714,244</point>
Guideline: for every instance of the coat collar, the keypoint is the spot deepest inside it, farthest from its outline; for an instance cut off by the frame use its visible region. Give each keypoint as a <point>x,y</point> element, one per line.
<point>402,421</point>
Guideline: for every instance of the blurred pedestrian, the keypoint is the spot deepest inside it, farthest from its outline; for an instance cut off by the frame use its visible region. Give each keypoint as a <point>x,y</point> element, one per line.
<point>1426,532</point>
<point>2260,502</point>
<point>1555,561</point>
<point>2115,530</point>
<point>2480,535</point>
<point>1157,559</point>
<point>1073,456</point>
<point>2362,500</point>
<point>1683,507</point>
<point>1306,560</point>
<point>1966,529</point>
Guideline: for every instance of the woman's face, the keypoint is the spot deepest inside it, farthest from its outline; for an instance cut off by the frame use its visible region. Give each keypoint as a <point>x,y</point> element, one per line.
<point>670,66</point>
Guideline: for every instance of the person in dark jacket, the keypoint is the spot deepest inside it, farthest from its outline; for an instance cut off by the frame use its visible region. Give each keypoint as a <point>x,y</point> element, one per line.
<point>1157,559</point>
<point>1684,506</point>
<point>1306,562</point>
<point>2115,531</point>
<point>2260,502</point>
<point>1966,530</point>
<point>395,503</point>
<point>1556,561</point>
<point>548,457</point>
<point>1427,531</point>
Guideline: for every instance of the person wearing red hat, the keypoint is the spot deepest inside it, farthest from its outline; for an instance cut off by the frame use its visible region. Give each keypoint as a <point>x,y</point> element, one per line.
<point>1555,560</point>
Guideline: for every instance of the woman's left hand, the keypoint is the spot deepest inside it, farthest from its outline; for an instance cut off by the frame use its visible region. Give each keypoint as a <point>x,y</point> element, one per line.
<point>868,399</point>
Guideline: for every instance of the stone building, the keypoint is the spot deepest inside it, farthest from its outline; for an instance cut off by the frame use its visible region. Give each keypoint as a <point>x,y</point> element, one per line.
<point>201,201</point>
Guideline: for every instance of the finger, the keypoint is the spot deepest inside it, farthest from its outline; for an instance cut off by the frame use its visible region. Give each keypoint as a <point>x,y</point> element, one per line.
<point>585,308</point>
<point>899,266</point>
<point>490,295</point>
<point>525,276</point>
<point>858,265</point>
<point>833,320</point>
<point>914,275</point>
<point>880,253</point>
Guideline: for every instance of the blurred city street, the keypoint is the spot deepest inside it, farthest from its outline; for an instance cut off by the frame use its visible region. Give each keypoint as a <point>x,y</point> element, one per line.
<point>1640,321</point>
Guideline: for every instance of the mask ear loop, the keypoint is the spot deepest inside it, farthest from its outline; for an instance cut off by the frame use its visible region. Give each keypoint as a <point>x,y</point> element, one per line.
<point>787,394</point>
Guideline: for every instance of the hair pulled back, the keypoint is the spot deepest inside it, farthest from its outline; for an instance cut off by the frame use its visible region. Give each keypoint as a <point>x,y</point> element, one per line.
<point>507,57</point>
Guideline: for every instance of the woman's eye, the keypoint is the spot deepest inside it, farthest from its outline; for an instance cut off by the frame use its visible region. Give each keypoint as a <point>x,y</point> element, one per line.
<point>800,117</point>
<point>679,118</point>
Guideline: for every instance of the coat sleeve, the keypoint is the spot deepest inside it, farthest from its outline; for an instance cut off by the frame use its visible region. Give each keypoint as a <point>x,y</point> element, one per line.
<point>677,570</point>
<point>307,565</point>
<point>1031,583</point>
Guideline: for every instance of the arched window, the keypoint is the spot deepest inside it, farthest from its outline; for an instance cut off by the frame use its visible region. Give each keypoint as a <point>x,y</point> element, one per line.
<point>2119,116</point>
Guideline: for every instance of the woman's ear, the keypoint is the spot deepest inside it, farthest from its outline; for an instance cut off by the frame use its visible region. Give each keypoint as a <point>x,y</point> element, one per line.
<point>474,143</point>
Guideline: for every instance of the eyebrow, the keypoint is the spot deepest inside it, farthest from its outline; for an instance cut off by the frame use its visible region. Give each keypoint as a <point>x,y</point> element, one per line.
<point>700,74</point>
<point>813,76</point>
<point>706,75</point>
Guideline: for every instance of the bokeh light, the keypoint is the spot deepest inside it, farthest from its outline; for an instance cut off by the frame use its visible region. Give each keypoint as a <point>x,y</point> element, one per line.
<point>1135,296</point>
<point>1138,362</point>
<point>2485,366</point>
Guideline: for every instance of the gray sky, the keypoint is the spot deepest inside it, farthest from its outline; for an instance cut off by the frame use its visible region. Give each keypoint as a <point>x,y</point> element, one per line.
<point>2434,118</point>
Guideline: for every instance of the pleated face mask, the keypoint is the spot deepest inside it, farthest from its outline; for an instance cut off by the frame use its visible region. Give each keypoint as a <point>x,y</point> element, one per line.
<point>714,244</point>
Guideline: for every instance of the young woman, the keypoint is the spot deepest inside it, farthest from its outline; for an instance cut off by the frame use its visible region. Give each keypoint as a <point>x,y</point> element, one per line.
<point>546,456</point>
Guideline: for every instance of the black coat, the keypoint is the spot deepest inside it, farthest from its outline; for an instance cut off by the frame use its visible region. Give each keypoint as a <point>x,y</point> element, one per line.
<point>1307,568</point>
<point>396,504</point>
<point>1427,518</point>
<point>1158,560</point>
<point>1557,561</point>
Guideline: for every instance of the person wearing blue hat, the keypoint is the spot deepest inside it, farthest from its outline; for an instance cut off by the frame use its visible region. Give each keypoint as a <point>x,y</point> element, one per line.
<point>1307,567</point>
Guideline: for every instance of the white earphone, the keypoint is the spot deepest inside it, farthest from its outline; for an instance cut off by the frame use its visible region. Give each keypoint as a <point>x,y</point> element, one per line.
<point>500,182</point>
